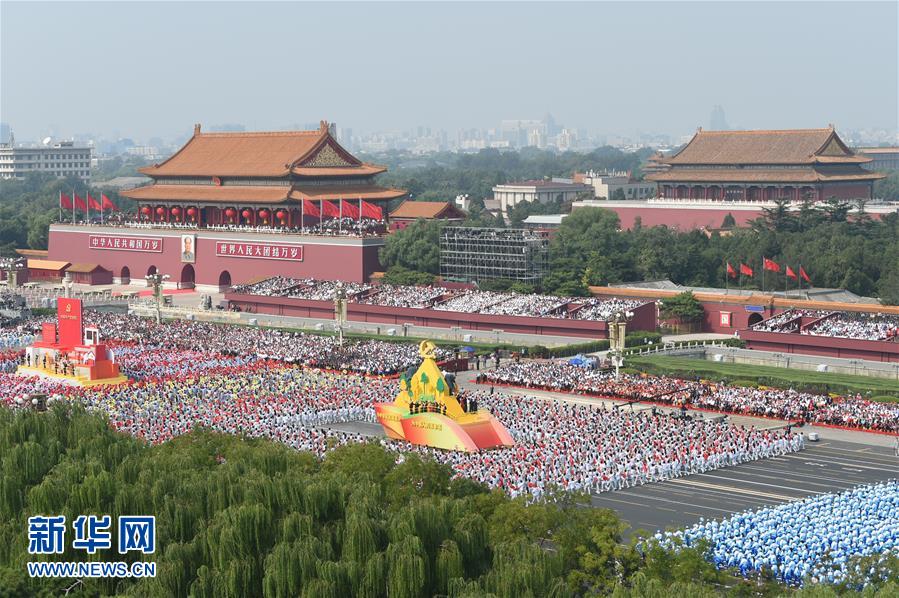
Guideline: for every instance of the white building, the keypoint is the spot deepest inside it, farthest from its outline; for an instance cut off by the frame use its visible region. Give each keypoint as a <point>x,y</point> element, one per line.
<point>606,185</point>
<point>62,159</point>
<point>512,194</point>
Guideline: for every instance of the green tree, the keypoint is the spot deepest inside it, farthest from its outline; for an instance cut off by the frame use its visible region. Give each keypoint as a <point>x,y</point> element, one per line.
<point>416,247</point>
<point>684,307</point>
<point>729,221</point>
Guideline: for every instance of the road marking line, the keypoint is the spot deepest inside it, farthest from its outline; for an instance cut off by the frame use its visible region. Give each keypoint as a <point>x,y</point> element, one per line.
<point>631,503</point>
<point>737,490</point>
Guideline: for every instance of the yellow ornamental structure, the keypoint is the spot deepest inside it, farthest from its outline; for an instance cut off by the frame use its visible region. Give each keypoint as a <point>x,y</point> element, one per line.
<point>427,411</point>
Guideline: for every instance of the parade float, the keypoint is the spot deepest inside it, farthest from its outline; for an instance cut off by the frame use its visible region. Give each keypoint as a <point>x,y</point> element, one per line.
<point>430,410</point>
<point>69,352</point>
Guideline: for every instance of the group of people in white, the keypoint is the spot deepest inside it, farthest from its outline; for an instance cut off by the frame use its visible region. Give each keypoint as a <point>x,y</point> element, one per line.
<point>148,342</point>
<point>787,404</point>
<point>868,327</point>
<point>557,445</point>
<point>403,296</point>
<point>859,326</point>
<point>815,540</point>
<point>443,299</point>
<point>332,227</point>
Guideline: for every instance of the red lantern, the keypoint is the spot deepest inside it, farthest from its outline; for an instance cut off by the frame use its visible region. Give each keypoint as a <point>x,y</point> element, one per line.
<point>230,212</point>
<point>246,214</point>
<point>263,213</point>
<point>175,211</point>
<point>145,210</point>
<point>191,212</point>
<point>160,210</point>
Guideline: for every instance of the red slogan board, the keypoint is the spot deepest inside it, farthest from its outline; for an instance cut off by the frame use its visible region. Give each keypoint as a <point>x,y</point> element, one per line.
<point>263,251</point>
<point>126,243</point>
<point>68,312</point>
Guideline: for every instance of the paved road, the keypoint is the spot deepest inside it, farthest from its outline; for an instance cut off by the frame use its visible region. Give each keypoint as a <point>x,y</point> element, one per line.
<point>828,466</point>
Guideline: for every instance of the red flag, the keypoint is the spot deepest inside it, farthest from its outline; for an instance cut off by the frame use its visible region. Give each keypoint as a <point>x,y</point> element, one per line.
<point>350,209</point>
<point>804,276</point>
<point>730,271</point>
<point>771,265</point>
<point>309,208</point>
<point>790,273</point>
<point>107,203</point>
<point>329,209</point>
<point>93,203</point>
<point>79,202</point>
<point>65,201</point>
<point>744,269</point>
<point>370,210</point>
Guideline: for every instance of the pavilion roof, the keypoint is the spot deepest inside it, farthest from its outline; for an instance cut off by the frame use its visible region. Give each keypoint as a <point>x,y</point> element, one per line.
<point>762,175</point>
<point>367,192</point>
<point>261,154</point>
<point>210,193</point>
<point>427,210</point>
<point>268,194</point>
<point>791,146</point>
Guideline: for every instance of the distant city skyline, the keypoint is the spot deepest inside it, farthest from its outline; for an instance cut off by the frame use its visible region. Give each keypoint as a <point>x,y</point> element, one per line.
<point>151,70</point>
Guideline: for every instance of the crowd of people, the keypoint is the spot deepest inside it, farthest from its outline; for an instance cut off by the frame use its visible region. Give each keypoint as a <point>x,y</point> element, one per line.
<point>792,405</point>
<point>469,301</point>
<point>403,296</point>
<point>557,445</point>
<point>141,343</point>
<point>813,540</point>
<point>868,327</point>
<point>604,309</point>
<point>331,227</point>
<point>790,320</point>
<point>591,449</point>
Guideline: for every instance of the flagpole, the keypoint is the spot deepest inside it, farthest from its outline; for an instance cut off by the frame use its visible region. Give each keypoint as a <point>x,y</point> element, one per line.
<point>60,205</point>
<point>73,206</point>
<point>763,274</point>
<point>340,217</point>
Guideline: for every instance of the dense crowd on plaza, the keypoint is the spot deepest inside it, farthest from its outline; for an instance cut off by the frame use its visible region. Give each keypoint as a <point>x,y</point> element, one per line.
<point>470,301</point>
<point>781,404</point>
<point>870,327</point>
<point>812,540</point>
<point>365,356</point>
<point>558,445</point>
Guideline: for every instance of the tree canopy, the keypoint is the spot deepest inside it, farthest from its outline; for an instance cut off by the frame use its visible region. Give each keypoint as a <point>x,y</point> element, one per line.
<point>248,517</point>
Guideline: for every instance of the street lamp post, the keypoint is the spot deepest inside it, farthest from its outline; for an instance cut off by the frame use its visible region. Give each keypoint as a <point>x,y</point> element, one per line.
<point>155,280</point>
<point>617,334</point>
<point>340,310</point>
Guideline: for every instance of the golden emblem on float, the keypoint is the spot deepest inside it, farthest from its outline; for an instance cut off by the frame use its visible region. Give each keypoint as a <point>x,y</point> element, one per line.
<point>430,410</point>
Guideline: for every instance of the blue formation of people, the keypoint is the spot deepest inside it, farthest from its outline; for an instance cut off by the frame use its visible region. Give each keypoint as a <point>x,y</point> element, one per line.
<point>811,541</point>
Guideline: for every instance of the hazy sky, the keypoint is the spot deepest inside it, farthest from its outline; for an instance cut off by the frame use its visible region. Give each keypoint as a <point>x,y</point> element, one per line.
<point>153,69</point>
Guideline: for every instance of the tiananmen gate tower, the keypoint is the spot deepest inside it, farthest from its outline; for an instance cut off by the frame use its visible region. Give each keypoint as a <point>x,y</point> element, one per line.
<point>228,208</point>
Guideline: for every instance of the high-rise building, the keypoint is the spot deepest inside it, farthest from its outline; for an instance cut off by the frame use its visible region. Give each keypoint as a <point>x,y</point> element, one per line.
<point>717,121</point>
<point>62,159</point>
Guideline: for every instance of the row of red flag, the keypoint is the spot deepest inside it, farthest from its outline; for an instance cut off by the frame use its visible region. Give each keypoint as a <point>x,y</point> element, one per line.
<point>351,209</point>
<point>771,266</point>
<point>68,203</point>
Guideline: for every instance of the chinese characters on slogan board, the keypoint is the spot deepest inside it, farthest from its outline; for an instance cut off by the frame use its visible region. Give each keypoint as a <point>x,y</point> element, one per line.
<point>265,251</point>
<point>126,243</point>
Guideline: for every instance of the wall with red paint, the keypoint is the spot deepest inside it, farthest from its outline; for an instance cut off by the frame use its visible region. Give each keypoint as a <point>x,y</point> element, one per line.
<point>847,348</point>
<point>326,258</point>
<point>644,317</point>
